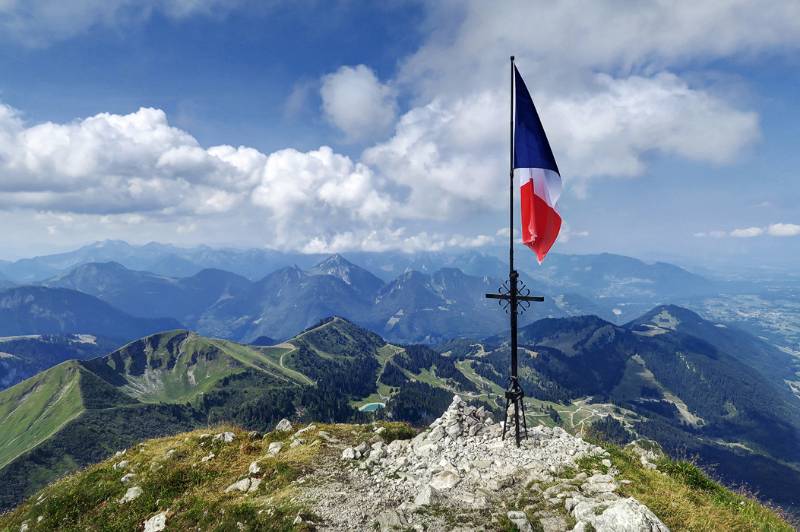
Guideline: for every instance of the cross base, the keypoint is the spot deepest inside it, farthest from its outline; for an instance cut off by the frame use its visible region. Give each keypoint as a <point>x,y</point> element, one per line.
<point>515,394</point>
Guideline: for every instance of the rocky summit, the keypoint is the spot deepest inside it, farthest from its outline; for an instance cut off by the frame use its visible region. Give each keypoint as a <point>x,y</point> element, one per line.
<point>456,474</point>
<point>452,474</point>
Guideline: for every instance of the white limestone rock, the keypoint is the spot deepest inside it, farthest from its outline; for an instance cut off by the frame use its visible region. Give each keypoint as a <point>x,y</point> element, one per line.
<point>131,494</point>
<point>427,496</point>
<point>254,468</point>
<point>157,523</point>
<point>283,425</point>
<point>349,454</point>
<point>445,480</point>
<point>520,520</point>
<point>274,448</point>
<point>240,485</point>
<point>627,515</point>
<point>225,437</point>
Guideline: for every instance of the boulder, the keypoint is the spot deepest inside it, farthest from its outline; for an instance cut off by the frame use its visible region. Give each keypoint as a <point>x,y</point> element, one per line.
<point>520,520</point>
<point>389,520</point>
<point>225,437</point>
<point>445,480</point>
<point>127,478</point>
<point>131,494</point>
<point>275,447</point>
<point>254,484</point>
<point>283,425</point>
<point>157,523</point>
<point>254,468</point>
<point>627,515</point>
<point>427,496</point>
<point>240,485</point>
<point>349,454</point>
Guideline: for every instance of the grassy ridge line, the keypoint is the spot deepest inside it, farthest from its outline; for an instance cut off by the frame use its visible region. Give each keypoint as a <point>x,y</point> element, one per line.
<point>31,415</point>
<point>258,360</point>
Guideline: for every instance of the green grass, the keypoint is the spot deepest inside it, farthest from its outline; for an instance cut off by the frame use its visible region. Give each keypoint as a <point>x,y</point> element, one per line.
<point>192,490</point>
<point>35,409</point>
<point>173,477</point>
<point>278,358</point>
<point>490,387</point>
<point>176,367</point>
<point>257,358</point>
<point>682,496</point>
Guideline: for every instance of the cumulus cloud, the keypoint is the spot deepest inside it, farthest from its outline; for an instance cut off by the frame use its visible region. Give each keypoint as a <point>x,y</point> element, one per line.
<point>711,234</point>
<point>748,232</point>
<point>447,157</point>
<point>608,89</point>
<point>140,165</point>
<point>776,229</point>
<point>564,43</point>
<point>398,239</point>
<point>784,229</point>
<point>356,102</point>
<point>41,22</point>
<point>318,192</point>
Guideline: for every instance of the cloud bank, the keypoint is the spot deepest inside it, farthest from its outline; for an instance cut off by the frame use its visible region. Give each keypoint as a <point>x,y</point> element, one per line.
<point>610,91</point>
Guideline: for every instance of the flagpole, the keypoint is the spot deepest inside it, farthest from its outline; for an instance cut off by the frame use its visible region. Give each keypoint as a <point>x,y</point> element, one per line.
<point>511,174</point>
<point>510,296</point>
<point>512,273</point>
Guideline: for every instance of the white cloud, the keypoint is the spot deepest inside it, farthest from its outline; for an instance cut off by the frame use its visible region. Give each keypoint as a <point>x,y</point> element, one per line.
<point>355,101</point>
<point>561,43</point>
<point>777,229</point>
<point>397,239</point>
<point>605,86</point>
<point>607,89</point>
<point>609,131</point>
<point>448,158</point>
<point>784,229</point>
<point>318,192</point>
<point>748,232</point>
<point>40,22</point>
<point>711,234</point>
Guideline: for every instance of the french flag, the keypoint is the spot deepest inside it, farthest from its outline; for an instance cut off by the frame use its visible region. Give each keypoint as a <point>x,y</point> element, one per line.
<point>539,179</point>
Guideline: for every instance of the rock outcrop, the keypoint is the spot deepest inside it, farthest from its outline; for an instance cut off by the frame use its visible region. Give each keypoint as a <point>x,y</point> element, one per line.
<point>460,467</point>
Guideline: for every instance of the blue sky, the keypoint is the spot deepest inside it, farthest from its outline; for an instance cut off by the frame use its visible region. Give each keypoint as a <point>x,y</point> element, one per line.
<point>675,128</point>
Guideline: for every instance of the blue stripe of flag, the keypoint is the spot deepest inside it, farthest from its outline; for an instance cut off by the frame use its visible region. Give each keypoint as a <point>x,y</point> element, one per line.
<point>531,149</point>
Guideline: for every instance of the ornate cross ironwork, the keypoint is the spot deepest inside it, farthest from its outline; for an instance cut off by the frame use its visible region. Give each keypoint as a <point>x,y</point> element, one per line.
<point>515,299</point>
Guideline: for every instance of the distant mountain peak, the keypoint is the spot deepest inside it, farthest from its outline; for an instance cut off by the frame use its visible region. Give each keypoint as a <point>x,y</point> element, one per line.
<point>360,279</point>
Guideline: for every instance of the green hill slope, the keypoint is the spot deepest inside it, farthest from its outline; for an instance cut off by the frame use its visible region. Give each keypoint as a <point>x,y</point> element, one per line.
<point>33,410</point>
<point>178,366</point>
<point>79,412</point>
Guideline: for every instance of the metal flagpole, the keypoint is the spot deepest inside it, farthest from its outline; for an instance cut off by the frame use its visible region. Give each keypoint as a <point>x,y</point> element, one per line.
<point>512,273</point>
<point>512,296</point>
